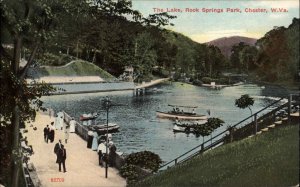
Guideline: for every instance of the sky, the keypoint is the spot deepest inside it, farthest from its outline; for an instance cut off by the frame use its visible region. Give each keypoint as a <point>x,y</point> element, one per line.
<point>203,27</point>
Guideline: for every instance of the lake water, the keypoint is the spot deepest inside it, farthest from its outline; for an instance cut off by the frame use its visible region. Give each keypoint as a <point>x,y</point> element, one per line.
<point>141,130</point>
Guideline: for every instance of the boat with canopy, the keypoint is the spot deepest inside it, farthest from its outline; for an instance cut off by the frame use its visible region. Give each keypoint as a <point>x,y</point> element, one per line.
<point>181,112</point>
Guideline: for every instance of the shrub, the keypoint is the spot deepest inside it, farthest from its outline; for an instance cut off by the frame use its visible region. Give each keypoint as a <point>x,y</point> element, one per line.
<point>129,172</point>
<point>223,80</point>
<point>144,159</point>
<point>207,80</point>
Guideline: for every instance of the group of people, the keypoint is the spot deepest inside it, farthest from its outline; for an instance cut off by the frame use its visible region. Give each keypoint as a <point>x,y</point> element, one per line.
<point>49,133</point>
<point>61,155</point>
<point>59,148</point>
<point>106,151</point>
<point>104,146</point>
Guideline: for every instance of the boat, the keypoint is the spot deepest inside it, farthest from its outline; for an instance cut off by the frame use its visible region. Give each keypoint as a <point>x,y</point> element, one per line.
<point>103,128</point>
<point>183,129</point>
<point>188,124</point>
<point>85,117</point>
<point>176,113</point>
<point>187,127</point>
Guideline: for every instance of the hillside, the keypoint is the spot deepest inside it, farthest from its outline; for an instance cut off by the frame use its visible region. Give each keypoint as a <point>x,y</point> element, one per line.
<point>225,44</point>
<point>278,59</point>
<point>186,48</point>
<point>270,159</point>
<point>74,68</point>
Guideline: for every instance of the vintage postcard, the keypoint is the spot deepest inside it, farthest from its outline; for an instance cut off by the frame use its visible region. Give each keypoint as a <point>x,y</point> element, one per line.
<point>149,93</point>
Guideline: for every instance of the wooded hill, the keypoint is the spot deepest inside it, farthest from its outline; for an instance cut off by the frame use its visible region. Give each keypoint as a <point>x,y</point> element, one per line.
<point>226,43</point>
<point>274,58</point>
<point>278,54</point>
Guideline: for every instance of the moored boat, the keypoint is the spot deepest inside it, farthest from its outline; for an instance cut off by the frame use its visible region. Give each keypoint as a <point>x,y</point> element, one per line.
<point>177,128</point>
<point>187,127</point>
<point>176,113</point>
<point>103,128</point>
<point>85,117</point>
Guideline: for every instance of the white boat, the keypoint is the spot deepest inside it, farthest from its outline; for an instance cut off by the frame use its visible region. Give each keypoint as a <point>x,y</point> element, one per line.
<point>177,128</point>
<point>181,115</point>
<point>187,127</point>
<point>86,117</point>
<point>103,128</point>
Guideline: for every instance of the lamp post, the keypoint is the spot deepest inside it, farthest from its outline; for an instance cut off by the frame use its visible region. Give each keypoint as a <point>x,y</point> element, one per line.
<point>107,105</point>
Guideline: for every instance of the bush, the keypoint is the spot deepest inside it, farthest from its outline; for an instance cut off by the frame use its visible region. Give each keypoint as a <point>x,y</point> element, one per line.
<point>223,80</point>
<point>207,80</point>
<point>144,159</point>
<point>197,82</point>
<point>129,172</point>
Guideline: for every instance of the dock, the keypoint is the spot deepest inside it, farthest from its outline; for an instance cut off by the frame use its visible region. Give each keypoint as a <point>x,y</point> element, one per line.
<point>81,163</point>
<point>151,83</point>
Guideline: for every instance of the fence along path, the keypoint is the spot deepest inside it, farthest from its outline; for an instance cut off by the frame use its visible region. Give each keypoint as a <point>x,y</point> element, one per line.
<point>262,120</point>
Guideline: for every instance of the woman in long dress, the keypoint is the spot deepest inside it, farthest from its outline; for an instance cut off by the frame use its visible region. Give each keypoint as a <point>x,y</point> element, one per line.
<point>57,121</point>
<point>66,131</point>
<point>95,141</point>
<point>61,120</point>
<point>72,125</point>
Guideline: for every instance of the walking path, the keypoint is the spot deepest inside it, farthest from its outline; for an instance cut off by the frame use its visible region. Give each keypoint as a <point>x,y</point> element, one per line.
<point>81,163</point>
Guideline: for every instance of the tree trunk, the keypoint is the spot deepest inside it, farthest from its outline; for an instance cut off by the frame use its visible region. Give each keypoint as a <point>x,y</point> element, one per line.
<point>94,57</point>
<point>15,159</point>
<point>15,120</point>
<point>77,49</point>
<point>17,55</point>
<point>251,113</point>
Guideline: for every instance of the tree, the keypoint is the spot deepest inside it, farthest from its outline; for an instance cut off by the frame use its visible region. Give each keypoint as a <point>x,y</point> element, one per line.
<point>248,57</point>
<point>29,23</point>
<point>207,128</point>
<point>235,55</point>
<point>245,101</point>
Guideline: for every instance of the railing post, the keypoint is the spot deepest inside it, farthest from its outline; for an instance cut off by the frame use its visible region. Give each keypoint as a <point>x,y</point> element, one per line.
<point>202,148</point>
<point>289,108</point>
<point>255,121</point>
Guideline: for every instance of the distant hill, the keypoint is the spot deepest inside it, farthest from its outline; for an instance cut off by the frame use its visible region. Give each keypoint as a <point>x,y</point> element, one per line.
<point>225,44</point>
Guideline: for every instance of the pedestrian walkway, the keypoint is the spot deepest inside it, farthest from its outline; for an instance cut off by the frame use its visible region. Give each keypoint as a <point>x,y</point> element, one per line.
<point>81,163</point>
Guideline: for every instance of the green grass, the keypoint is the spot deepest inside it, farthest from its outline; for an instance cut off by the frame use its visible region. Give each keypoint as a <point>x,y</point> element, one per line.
<point>78,68</point>
<point>270,159</point>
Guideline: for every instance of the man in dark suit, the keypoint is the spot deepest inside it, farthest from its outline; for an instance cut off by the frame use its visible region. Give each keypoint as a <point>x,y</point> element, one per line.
<point>46,133</point>
<point>57,146</point>
<point>61,158</point>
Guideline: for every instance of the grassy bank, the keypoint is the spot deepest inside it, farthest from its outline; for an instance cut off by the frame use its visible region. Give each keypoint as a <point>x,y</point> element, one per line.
<point>270,159</point>
<point>75,68</point>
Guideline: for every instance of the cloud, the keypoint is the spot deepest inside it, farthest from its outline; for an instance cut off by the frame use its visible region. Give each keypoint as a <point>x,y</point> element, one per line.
<point>277,16</point>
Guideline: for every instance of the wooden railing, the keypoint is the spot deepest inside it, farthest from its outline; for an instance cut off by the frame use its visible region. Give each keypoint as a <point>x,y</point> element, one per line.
<point>238,131</point>
<point>82,131</point>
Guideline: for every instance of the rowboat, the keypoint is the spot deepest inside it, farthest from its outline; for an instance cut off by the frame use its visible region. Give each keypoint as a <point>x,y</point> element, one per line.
<point>103,128</point>
<point>187,127</point>
<point>183,116</point>
<point>183,129</point>
<point>85,117</point>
